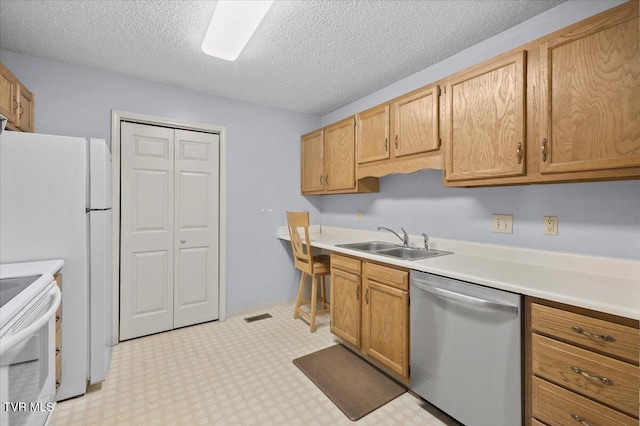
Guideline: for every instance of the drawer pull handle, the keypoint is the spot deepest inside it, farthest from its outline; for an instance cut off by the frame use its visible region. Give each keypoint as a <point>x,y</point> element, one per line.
<point>589,376</point>
<point>366,296</point>
<point>358,293</point>
<point>604,337</point>
<point>579,419</point>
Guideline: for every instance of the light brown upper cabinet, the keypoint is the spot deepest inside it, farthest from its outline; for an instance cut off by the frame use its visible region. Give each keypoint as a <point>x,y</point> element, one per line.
<point>16,102</point>
<point>373,134</point>
<point>24,119</point>
<point>328,161</point>
<point>401,136</point>
<point>8,93</point>
<point>486,120</point>
<point>590,97</point>
<point>312,173</point>
<point>340,166</point>
<point>416,122</point>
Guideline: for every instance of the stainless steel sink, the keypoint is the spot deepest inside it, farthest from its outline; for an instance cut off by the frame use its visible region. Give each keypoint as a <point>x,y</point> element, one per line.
<point>393,250</point>
<point>411,253</point>
<point>370,246</point>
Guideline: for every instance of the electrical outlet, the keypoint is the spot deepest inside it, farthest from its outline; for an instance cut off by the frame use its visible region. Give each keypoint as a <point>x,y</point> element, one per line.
<point>550,225</point>
<point>502,223</point>
<point>359,216</point>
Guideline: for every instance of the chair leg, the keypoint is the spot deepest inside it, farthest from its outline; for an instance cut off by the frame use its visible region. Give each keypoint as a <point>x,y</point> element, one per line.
<point>314,301</point>
<point>323,295</point>
<point>324,292</point>
<point>296,311</point>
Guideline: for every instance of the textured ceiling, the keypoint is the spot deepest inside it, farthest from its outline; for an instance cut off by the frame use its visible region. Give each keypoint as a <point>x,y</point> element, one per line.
<point>309,56</point>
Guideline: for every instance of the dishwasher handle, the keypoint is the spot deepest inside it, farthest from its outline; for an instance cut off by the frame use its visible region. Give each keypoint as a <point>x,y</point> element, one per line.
<point>463,298</point>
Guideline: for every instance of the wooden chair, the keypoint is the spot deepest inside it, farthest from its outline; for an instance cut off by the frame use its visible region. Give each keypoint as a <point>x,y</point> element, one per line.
<point>315,266</point>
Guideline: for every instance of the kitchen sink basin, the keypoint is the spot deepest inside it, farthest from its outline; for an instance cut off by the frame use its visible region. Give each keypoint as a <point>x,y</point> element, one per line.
<point>411,253</point>
<point>370,246</point>
<point>394,250</point>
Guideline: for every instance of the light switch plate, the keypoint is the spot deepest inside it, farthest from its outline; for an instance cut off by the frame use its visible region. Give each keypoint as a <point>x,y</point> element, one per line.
<point>359,216</point>
<point>502,223</point>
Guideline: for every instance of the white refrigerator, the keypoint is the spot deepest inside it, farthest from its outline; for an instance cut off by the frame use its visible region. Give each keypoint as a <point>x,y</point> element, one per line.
<point>55,202</point>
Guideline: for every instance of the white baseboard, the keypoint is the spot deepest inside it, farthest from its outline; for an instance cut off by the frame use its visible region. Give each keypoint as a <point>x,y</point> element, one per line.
<point>261,307</point>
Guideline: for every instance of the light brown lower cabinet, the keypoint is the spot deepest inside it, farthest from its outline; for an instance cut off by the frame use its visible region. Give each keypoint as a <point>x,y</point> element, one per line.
<point>582,366</point>
<point>557,406</point>
<point>370,310</point>
<point>58,349</point>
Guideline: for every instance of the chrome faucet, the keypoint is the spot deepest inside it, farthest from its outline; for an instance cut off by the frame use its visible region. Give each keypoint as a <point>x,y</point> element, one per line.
<point>426,240</point>
<point>404,238</point>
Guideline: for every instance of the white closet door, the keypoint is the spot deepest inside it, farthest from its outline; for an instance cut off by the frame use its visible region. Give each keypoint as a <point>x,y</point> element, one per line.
<point>147,230</point>
<point>196,227</point>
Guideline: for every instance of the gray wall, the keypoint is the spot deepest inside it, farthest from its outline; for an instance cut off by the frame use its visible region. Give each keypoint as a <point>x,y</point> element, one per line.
<point>600,218</point>
<point>262,158</point>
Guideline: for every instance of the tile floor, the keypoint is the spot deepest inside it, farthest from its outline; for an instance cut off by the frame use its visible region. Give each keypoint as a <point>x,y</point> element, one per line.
<point>230,372</point>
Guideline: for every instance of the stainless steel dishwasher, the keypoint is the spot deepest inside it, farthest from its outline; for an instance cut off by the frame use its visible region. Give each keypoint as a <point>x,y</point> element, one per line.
<point>466,350</point>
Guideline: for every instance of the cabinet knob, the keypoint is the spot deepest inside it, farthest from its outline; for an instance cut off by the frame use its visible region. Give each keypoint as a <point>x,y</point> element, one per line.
<point>519,152</point>
<point>590,376</point>
<point>366,296</point>
<point>544,149</point>
<point>396,141</point>
<point>604,337</point>
<point>183,241</point>
<point>579,419</point>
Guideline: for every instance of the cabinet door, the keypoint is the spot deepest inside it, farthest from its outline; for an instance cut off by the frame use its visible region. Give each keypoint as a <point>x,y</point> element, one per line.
<point>386,326</point>
<point>345,306</point>
<point>373,134</point>
<point>340,160</point>
<point>486,121</point>
<point>416,122</point>
<point>590,82</point>
<point>312,160</point>
<point>25,110</point>
<point>8,94</point>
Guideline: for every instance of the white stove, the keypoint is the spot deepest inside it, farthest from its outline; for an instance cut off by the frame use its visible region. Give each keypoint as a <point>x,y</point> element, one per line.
<point>28,303</point>
<point>16,292</point>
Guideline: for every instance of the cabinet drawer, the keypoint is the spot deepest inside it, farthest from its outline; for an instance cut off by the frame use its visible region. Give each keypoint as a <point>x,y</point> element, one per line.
<point>390,276</point>
<point>585,372</point>
<point>345,263</point>
<point>534,422</point>
<point>611,338</point>
<point>557,407</point>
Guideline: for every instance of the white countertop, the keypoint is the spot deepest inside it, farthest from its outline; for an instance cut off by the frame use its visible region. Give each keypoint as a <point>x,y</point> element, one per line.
<point>24,269</point>
<point>599,283</point>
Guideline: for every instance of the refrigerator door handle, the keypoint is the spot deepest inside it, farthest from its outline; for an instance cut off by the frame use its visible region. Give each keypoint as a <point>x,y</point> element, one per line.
<point>87,210</point>
<point>463,298</point>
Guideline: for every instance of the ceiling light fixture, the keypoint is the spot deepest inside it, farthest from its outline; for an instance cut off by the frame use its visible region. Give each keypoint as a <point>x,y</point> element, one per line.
<point>232,25</point>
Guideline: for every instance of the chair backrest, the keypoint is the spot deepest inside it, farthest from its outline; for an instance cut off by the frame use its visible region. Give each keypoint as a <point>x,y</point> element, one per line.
<point>303,259</point>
